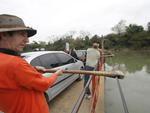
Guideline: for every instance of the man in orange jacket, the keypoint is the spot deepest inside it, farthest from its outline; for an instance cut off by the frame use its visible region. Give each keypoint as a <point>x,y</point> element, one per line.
<point>21,85</point>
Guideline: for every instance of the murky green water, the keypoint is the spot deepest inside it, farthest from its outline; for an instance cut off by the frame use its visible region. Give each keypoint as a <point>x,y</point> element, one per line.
<point>135,86</point>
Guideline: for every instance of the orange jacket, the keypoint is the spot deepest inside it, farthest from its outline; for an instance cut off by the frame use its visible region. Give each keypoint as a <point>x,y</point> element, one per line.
<point>22,87</point>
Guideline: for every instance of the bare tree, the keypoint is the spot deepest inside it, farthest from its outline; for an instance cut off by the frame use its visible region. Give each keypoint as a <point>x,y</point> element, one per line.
<point>83,34</point>
<point>120,27</point>
<point>148,26</point>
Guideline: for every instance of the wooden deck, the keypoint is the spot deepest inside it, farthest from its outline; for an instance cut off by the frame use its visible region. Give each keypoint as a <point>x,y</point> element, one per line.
<point>66,100</point>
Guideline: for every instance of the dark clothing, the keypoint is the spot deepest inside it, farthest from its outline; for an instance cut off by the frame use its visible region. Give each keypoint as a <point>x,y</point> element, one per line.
<point>10,52</point>
<point>86,78</point>
<point>73,53</point>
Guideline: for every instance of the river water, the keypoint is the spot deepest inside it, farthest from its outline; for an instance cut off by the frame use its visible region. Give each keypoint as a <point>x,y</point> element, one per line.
<point>135,85</point>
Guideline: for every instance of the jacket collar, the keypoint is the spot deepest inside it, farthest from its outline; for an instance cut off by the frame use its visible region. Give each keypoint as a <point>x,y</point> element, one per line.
<point>9,52</point>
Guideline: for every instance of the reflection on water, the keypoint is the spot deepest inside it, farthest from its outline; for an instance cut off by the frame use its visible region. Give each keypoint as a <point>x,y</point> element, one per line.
<point>131,61</point>
<point>135,86</point>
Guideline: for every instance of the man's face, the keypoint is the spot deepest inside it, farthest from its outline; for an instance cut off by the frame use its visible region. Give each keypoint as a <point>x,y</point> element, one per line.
<point>18,40</point>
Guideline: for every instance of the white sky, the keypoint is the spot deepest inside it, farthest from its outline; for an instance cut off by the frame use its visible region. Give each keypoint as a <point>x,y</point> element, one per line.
<point>56,17</point>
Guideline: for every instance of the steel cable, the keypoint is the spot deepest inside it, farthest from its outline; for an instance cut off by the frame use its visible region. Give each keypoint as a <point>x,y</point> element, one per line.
<point>120,90</point>
<point>122,97</point>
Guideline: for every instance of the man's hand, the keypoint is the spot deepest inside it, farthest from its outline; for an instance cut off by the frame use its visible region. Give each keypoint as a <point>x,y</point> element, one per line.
<point>40,68</point>
<point>59,72</point>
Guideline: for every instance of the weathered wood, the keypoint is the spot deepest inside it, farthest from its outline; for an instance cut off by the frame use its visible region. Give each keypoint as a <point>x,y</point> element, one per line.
<point>112,74</point>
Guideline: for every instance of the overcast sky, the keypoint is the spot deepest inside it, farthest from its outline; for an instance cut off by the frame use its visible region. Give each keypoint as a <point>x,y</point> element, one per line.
<point>56,17</point>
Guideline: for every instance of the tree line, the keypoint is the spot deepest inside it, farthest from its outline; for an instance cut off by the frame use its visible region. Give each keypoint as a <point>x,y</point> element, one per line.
<point>132,36</point>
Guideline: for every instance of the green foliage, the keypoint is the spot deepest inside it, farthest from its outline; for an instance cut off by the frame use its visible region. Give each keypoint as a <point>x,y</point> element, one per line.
<point>133,28</point>
<point>135,37</point>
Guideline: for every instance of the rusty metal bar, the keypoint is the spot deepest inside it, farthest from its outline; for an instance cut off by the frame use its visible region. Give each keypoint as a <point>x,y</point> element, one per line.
<point>95,87</point>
